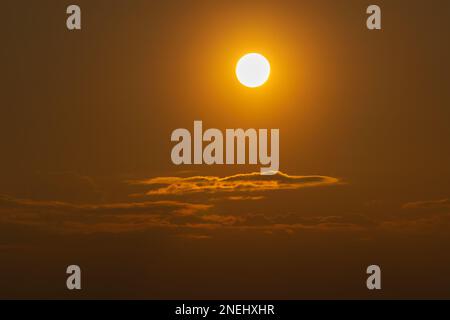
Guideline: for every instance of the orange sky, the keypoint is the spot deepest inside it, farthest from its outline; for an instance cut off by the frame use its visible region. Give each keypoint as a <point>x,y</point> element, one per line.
<point>87,178</point>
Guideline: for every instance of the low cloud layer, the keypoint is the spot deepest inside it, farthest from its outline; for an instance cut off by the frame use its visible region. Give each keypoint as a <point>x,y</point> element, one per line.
<point>248,182</point>
<point>198,220</point>
<point>182,218</point>
<point>430,204</point>
<point>89,218</point>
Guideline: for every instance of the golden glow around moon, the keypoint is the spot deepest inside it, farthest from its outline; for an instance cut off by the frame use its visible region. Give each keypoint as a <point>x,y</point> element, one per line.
<point>253,70</point>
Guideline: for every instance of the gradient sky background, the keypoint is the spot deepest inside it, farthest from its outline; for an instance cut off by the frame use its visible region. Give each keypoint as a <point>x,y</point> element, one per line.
<point>85,128</point>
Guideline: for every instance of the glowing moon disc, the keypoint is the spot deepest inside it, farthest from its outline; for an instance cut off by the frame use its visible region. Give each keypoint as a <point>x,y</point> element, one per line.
<point>253,70</point>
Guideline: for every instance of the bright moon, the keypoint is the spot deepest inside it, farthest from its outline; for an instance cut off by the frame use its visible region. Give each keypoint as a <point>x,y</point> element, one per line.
<point>253,70</point>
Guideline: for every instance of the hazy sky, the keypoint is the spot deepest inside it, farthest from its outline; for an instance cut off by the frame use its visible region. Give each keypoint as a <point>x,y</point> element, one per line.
<point>87,178</point>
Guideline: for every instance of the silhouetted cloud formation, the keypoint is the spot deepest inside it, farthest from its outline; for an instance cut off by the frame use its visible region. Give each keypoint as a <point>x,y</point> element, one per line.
<point>246,182</point>
<point>430,204</point>
<point>198,220</point>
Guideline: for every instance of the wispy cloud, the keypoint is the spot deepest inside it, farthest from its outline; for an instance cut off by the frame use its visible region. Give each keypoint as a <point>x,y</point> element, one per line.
<point>196,221</point>
<point>88,218</point>
<point>183,208</point>
<point>200,219</point>
<point>183,218</point>
<point>246,182</point>
<point>429,204</point>
<point>243,198</point>
<point>193,236</point>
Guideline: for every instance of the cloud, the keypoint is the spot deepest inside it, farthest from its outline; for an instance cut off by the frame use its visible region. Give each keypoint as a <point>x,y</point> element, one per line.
<point>247,182</point>
<point>193,236</point>
<point>429,216</point>
<point>65,186</point>
<point>182,208</point>
<point>200,220</point>
<point>292,222</point>
<point>426,210</point>
<point>182,218</point>
<point>65,217</point>
<point>430,204</point>
<point>431,224</point>
<point>243,198</point>
<point>197,221</point>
